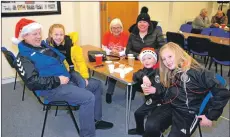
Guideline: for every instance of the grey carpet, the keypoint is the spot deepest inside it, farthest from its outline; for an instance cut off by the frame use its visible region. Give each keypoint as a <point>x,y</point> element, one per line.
<point>25,118</point>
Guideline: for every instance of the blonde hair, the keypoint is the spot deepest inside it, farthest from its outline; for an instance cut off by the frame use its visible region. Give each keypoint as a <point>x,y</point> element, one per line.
<point>182,60</point>
<point>115,22</point>
<point>52,28</point>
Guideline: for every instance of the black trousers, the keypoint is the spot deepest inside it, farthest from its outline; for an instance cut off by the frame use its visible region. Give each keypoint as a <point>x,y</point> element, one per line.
<point>181,123</point>
<point>158,121</point>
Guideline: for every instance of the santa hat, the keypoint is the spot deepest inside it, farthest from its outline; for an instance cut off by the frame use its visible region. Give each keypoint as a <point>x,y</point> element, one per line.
<point>148,51</point>
<point>23,27</point>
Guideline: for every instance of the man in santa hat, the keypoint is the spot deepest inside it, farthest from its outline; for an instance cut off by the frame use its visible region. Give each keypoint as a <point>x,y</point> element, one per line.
<point>41,68</point>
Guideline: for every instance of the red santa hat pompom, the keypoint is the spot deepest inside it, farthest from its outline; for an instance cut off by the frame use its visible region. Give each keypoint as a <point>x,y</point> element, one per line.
<point>149,51</point>
<point>23,27</point>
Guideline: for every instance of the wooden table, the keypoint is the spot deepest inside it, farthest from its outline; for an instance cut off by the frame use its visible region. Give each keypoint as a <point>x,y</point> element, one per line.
<point>127,80</point>
<point>220,40</point>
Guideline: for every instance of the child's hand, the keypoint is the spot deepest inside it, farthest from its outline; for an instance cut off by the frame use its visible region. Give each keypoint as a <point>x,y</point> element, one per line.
<point>146,81</point>
<point>149,90</point>
<point>205,121</point>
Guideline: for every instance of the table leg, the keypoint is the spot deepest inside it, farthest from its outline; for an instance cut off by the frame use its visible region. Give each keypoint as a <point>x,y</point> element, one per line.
<point>128,105</point>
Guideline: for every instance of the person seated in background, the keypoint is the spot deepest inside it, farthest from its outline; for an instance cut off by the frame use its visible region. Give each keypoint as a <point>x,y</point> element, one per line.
<point>144,34</point>
<point>201,21</point>
<point>114,43</point>
<point>41,67</point>
<point>219,19</point>
<point>152,91</point>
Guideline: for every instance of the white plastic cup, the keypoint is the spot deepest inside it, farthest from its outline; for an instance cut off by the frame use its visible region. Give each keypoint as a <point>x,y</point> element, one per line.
<point>130,55</point>
<point>143,86</point>
<point>131,61</point>
<point>111,68</point>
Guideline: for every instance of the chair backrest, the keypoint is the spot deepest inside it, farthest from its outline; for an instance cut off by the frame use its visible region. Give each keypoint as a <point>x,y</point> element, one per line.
<point>199,45</point>
<point>206,31</point>
<point>186,28</point>
<point>176,38</point>
<point>9,56</point>
<point>209,95</point>
<point>159,28</point>
<point>220,33</point>
<point>219,51</point>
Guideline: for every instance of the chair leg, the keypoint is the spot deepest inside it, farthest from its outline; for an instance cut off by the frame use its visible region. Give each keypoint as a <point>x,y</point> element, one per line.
<point>74,120</point>
<point>93,73</point>
<point>23,92</point>
<point>44,123</point>
<point>44,107</point>
<point>15,80</point>
<point>221,70</point>
<point>216,66</point>
<point>56,111</point>
<point>206,62</point>
<point>106,81</point>
<point>210,64</point>
<point>199,129</point>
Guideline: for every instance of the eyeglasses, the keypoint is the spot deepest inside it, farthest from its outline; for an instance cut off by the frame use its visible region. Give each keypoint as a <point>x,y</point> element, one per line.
<point>115,28</point>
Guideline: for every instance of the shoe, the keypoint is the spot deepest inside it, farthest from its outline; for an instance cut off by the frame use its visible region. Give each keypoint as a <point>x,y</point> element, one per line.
<point>103,125</point>
<point>109,98</point>
<point>135,132</point>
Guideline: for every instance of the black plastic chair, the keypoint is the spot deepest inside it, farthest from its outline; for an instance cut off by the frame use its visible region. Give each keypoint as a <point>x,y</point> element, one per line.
<point>199,46</point>
<point>46,103</point>
<point>219,54</point>
<point>10,59</point>
<point>176,38</point>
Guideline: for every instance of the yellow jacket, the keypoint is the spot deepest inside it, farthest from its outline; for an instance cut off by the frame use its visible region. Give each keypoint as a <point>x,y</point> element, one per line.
<point>77,57</point>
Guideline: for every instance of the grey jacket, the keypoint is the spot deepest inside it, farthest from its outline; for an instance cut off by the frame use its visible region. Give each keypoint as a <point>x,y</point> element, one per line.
<point>153,39</point>
<point>200,23</point>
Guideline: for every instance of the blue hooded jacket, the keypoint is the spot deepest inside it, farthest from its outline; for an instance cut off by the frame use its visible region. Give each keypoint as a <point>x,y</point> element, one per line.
<point>45,65</point>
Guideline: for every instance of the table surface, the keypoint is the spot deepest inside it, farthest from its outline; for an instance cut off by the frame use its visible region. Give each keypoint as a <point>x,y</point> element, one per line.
<point>103,70</point>
<point>220,40</point>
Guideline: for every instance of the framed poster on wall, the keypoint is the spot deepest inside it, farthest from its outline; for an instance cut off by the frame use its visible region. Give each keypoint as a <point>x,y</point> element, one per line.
<point>30,8</point>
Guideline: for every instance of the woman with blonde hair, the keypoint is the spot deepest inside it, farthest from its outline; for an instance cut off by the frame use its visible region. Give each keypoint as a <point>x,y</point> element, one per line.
<point>114,43</point>
<point>187,83</point>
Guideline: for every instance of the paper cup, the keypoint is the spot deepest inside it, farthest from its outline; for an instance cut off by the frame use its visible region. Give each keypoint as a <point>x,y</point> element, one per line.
<point>143,86</point>
<point>111,68</point>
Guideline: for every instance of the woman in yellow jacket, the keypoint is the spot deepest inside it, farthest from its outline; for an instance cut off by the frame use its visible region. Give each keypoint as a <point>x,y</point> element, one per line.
<point>67,44</point>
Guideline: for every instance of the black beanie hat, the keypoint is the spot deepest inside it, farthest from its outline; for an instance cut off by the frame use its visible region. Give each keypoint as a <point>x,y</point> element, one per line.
<point>144,15</point>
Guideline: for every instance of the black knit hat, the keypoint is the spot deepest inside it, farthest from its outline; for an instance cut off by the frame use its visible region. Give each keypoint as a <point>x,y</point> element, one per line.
<point>144,15</point>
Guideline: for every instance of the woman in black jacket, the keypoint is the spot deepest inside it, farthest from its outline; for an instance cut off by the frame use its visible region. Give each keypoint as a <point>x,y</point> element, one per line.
<point>144,34</point>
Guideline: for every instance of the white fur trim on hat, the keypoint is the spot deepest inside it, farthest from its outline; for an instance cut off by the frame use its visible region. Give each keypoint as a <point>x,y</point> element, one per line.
<point>30,27</point>
<point>150,52</point>
<point>26,29</point>
<point>15,40</point>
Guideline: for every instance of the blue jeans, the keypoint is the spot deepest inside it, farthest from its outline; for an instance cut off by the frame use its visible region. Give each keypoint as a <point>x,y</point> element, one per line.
<point>77,79</point>
<point>88,98</point>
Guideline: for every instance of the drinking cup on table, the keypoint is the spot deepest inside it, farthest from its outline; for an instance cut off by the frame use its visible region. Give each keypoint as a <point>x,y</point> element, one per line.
<point>98,58</point>
<point>111,68</point>
<point>116,64</point>
<point>130,55</point>
<point>107,64</point>
<point>143,86</point>
<point>131,61</point>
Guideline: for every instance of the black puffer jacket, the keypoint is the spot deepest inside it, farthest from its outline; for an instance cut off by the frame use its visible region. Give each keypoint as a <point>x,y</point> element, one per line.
<point>198,84</point>
<point>153,39</point>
